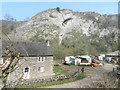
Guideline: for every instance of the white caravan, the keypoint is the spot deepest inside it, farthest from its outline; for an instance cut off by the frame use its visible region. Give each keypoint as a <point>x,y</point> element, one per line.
<point>83,60</point>
<point>70,60</point>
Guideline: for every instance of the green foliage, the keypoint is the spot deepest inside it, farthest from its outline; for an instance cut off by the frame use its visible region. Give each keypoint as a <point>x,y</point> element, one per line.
<point>78,44</point>
<point>55,27</point>
<point>82,45</point>
<point>36,38</point>
<point>89,17</point>
<point>41,35</point>
<point>58,51</point>
<point>58,9</point>
<point>27,35</point>
<point>12,27</point>
<point>9,26</point>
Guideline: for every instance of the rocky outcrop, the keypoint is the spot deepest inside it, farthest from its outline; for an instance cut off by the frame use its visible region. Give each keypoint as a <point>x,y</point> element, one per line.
<point>50,24</point>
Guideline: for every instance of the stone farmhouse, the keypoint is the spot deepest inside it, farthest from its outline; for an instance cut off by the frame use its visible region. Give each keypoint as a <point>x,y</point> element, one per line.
<point>36,60</point>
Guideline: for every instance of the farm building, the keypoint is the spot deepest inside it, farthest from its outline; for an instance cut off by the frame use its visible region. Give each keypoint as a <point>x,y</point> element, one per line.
<point>36,59</point>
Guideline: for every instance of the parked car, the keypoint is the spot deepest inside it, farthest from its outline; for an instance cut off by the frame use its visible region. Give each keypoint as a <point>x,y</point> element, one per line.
<point>94,64</point>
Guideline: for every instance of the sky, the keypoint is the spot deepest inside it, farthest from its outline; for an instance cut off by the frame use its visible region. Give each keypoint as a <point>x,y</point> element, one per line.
<point>21,10</point>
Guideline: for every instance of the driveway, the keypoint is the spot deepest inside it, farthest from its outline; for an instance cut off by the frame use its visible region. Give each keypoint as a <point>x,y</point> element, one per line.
<point>109,67</point>
<point>93,75</point>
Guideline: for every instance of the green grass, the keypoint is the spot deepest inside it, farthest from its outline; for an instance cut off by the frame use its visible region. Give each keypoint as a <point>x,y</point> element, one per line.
<point>72,65</point>
<point>82,75</point>
<point>59,70</point>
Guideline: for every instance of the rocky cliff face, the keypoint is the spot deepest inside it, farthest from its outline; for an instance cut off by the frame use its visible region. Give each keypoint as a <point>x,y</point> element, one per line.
<point>64,25</point>
<point>51,23</point>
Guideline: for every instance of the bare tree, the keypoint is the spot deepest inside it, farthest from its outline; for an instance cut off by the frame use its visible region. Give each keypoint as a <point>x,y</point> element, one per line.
<point>118,72</point>
<point>8,17</point>
<point>12,58</point>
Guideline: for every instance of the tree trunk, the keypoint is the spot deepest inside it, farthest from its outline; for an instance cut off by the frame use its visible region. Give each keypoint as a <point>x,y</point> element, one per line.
<point>119,72</point>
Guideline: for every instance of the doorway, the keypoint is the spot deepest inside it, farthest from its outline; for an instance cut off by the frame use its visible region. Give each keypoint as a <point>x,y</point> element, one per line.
<point>26,72</point>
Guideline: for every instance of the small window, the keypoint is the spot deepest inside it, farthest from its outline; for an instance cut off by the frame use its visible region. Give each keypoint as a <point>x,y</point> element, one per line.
<point>38,68</point>
<point>41,69</point>
<point>41,59</point>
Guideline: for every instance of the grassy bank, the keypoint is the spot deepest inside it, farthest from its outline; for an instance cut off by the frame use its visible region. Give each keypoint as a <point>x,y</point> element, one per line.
<point>82,75</point>
<point>59,70</point>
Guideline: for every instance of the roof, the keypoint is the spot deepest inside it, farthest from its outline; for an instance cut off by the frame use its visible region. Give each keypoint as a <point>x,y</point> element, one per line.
<point>84,56</point>
<point>88,58</point>
<point>27,49</point>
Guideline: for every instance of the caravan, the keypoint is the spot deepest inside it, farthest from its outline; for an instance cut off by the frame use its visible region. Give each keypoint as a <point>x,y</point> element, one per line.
<point>78,60</point>
<point>70,60</point>
<point>83,60</point>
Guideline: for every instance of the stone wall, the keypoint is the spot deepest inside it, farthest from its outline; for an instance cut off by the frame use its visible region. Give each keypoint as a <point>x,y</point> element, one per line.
<point>43,80</point>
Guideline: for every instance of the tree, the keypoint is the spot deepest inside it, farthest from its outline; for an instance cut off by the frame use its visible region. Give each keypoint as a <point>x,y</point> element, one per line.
<point>118,70</point>
<point>8,17</point>
<point>12,19</point>
<point>58,9</point>
<point>12,58</point>
<point>12,27</point>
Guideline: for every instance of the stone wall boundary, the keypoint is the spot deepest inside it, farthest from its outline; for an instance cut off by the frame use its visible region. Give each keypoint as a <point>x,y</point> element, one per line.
<point>42,80</point>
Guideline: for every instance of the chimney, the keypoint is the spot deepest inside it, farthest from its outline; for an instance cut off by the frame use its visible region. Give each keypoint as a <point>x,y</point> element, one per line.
<point>48,42</point>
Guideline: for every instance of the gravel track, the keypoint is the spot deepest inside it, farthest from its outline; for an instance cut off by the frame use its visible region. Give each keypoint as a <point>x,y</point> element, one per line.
<point>93,74</point>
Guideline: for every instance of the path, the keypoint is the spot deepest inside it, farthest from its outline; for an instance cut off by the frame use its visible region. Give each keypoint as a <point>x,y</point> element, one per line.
<point>109,67</point>
<point>93,74</point>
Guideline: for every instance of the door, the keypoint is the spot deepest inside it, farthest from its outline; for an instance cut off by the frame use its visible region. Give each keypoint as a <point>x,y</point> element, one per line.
<point>26,72</point>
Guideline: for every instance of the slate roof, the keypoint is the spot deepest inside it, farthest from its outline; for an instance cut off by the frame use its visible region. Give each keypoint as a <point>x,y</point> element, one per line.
<point>28,49</point>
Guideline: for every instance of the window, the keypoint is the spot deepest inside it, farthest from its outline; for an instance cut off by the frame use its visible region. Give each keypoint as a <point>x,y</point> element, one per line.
<point>41,69</point>
<point>1,60</point>
<point>38,68</point>
<point>26,69</point>
<point>26,73</point>
<point>41,59</point>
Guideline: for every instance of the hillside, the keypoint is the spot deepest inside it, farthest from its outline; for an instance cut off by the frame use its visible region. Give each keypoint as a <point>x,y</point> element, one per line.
<point>70,32</point>
<point>8,26</point>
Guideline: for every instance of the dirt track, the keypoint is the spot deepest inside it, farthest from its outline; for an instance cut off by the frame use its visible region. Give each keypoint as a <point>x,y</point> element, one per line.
<point>93,74</point>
